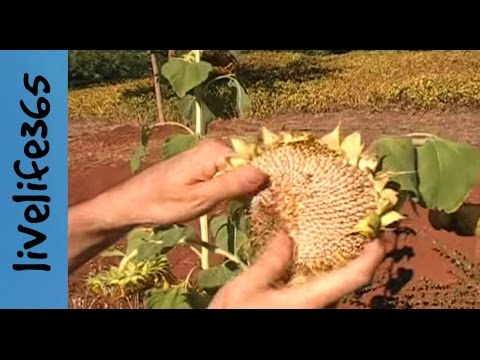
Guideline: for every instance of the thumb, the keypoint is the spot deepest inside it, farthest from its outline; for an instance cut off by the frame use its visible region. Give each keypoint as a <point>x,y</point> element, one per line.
<point>272,264</point>
<point>329,287</point>
<point>236,183</point>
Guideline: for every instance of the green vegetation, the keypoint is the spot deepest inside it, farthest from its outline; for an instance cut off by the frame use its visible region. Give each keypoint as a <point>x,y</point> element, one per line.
<point>100,67</point>
<point>191,78</point>
<point>424,168</point>
<point>94,67</point>
<point>293,82</point>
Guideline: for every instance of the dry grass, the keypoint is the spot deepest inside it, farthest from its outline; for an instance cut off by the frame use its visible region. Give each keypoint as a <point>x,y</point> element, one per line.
<point>285,82</point>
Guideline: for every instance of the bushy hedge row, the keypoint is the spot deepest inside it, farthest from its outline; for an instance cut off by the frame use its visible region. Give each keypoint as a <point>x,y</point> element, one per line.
<point>289,82</point>
<point>87,67</point>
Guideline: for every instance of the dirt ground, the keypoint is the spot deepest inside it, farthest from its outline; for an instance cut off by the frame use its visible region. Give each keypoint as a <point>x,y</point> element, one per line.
<point>99,155</point>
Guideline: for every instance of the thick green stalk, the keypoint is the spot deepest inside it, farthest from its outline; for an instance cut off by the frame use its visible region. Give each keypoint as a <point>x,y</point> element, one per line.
<point>204,219</point>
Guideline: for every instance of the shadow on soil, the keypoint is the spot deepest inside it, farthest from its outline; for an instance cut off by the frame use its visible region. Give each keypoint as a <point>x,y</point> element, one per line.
<point>396,280</point>
<point>464,222</point>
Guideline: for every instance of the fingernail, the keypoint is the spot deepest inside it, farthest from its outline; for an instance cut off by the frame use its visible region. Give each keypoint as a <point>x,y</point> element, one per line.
<point>253,176</point>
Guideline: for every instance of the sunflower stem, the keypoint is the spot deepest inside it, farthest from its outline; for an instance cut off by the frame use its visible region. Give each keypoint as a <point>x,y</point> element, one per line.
<point>216,250</point>
<point>199,130</point>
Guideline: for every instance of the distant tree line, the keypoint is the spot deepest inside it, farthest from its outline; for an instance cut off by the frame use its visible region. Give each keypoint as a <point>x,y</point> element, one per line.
<point>91,67</point>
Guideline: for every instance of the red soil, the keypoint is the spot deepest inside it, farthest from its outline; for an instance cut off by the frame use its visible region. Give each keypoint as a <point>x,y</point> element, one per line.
<point>98,160</point>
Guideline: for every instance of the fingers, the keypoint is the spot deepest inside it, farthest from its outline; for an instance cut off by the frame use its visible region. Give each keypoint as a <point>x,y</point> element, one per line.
<point>271,265</point>
<point>330,287</point>
<point>211,157</point>
<point>236,183</point>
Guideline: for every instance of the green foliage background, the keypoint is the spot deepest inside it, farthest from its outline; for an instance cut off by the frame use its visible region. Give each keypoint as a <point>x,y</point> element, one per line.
<point>119,85</point>
<point>280,82</point>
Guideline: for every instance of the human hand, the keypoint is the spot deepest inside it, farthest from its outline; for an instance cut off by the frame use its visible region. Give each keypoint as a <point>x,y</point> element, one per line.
<point>184,187</point>
<point>252,289</point>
